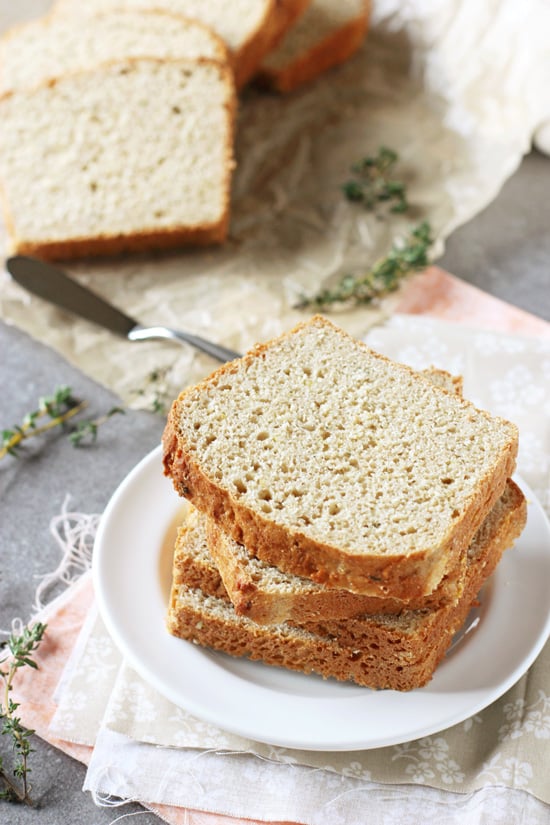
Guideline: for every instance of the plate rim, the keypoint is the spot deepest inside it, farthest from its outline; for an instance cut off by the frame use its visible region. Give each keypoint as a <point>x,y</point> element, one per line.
<point>194,654</point>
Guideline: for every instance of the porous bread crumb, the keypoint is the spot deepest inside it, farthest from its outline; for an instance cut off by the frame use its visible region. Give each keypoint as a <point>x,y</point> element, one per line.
<point>235,23</point>
<point>250,28</point>
<point>49,47</point>
<point>131,155</point>
<point>268,595</point>
<point>330,461</point>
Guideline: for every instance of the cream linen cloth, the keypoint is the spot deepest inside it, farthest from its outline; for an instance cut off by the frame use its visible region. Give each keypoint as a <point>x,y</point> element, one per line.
<point>149,749</point>
<point>457,87</point>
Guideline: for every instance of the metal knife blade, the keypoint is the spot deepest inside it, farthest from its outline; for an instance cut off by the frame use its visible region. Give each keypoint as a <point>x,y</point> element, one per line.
<point>54,286</point>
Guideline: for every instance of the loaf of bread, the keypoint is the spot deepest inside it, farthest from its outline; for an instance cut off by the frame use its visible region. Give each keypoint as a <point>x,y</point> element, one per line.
<point>327,34</point>
<point>250,28</point>
<point>129,156</point>
<point>56,45</point>
<point>397,652</point>
<point>331,462</point>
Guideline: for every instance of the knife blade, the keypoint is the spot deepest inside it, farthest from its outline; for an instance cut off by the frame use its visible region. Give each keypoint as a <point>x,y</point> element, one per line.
<point>53,285</point>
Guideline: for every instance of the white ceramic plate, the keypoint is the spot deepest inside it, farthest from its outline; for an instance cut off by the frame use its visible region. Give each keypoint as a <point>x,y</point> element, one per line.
<point>132,580</point>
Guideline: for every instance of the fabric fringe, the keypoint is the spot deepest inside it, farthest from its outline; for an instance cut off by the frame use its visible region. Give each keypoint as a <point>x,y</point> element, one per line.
<point>74,534</point>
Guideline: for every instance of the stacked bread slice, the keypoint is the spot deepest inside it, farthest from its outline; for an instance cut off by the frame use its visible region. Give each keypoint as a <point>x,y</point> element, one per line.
<point>347,510</point>
<point>119,117</point>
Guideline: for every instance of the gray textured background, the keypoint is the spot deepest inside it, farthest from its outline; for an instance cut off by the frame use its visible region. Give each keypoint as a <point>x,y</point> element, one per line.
<point>504,251</point>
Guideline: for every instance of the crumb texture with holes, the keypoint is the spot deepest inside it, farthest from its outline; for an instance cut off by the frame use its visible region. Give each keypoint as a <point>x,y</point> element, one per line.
<point>330,461</point>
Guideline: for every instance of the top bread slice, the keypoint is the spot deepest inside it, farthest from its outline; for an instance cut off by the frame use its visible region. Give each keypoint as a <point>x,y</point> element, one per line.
<point>249,28</point>
<point>55,45</point>
<point>128,156</point>
<point>327,34</point>
<point>267,595</point>
<point>329,461</point>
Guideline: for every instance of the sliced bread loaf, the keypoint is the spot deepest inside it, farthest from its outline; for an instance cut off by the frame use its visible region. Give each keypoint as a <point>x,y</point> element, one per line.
<point>132,155</point>
<point>56,45</point>
<point>327,34</point>
<point>397,652</point>
<point>250,28</point>
<point>329,461</point>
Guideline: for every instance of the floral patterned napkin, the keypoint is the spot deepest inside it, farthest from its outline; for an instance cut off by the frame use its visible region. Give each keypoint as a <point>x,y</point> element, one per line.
<point>504,745</point>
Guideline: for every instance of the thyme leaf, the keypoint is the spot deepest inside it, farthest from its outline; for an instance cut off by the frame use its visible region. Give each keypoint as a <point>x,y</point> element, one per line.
<point>87,430</point>
<point>56,410</point>
<point>372,182</point>
<point>20,648</point>
<point>384,277</point>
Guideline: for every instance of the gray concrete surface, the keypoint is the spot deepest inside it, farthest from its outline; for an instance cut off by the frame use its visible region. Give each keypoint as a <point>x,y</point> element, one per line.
<point>505,251</point>
<point>32,490</point>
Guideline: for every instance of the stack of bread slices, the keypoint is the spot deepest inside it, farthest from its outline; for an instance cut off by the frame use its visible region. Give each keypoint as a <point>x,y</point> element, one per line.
<point>346,510</point>
<point>118,116</point>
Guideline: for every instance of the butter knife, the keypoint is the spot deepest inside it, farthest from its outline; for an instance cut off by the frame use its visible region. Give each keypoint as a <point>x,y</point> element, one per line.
<point>53,285</point>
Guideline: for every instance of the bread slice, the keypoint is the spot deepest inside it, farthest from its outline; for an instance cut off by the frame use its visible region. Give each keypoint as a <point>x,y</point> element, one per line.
<point>329,461</point>
<point>250,28</point>
<point>397,652</point>
<point>130,156</point>
<point>56,45</point>
<point>327,34</point>
<point>267,595</point>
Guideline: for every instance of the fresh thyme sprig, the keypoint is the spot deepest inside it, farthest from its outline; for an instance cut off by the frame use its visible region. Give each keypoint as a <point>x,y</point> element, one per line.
<point>20,648</point>
<point>372,182</point>
<point>88,429</point>
<point>384,277</point>
<point>57,410</point>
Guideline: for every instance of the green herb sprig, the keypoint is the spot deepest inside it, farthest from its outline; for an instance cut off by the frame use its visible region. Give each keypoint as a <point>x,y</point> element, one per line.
<point>384,277</point>
<point>55,410</point>
<point>88,429</point>
<point>20,648</point>
<point>372,182</point>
